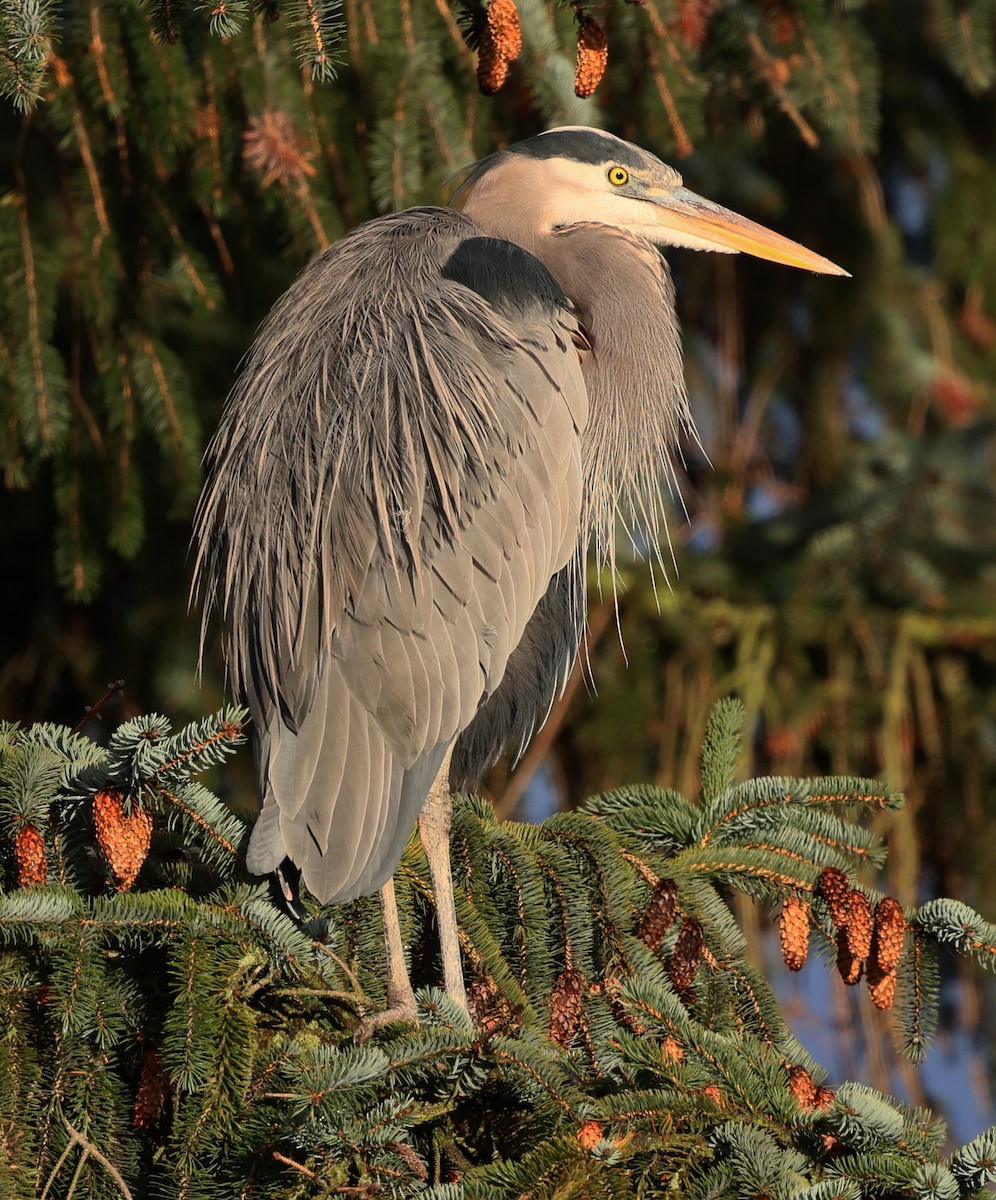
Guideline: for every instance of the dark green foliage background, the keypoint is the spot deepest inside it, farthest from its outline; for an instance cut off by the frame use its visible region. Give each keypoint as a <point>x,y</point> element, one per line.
<point>837,565</point>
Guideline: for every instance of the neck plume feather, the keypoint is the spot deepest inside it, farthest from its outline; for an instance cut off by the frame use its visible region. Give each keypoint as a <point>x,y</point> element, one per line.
<point>622,289</point>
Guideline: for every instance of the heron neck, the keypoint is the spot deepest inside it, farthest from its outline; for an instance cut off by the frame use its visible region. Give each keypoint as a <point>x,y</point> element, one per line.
<point>622,289</point>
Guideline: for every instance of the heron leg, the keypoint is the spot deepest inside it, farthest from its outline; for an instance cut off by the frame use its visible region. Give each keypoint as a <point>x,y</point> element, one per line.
<point>400,997</point>
<point>434,831</point>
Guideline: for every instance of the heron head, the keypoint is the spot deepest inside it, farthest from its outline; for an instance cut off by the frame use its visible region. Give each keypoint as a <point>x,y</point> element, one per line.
<point>576,175</point>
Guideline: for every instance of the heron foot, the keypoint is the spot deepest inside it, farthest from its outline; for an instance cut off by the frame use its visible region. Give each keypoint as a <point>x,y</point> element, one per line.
<point>406,1010</point>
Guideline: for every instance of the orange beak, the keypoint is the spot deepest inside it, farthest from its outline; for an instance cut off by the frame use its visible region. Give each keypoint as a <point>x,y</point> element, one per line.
<point>686,219</point>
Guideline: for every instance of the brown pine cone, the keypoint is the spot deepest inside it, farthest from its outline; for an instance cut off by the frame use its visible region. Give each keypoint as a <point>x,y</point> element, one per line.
<point>593,56</point>
<point>123,837</point>
<point>889,934</point>
<point>881,985</point>
<point>793,932</point>
<point>832,885</point>
<point>687,955</point>
<point>153,1088</point>
<point>506,29</point>
<point>29,850</point>
<point>824,1098</point>
<point>565,1006</point>
<point>492,66</point>
<point>659,916</point>
<point>848,966</point>
<point>859,925</point>
<point>491,1011</point>
<point>590,1134</point>
<point>802,1087</point>
<point>672,1049</point>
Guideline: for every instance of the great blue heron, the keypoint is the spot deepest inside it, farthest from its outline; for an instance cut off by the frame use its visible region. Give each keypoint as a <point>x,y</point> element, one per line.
<point>437,419</point>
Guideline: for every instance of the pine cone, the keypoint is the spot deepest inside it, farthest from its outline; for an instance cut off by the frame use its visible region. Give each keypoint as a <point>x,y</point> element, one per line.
<point>832,885</point>
<point>593,55</point>
<point>712,1091</point>
<point>590,1134</point>
<point>565,1006</point>
<point>687,955</point>
<point>491,1011</point>
<point>659,916</point>
<point>492,66</point>
<point>824,1098</point>
<point>889,934</point>
<point>29,850</point>
<point>848,966</point>
<point>672,1049</point>
<point>802,1087</point>
<point>881,985</point>
<point>124,838</point>
<point>793,931</point>
<point>506,30</point>
<point>153,1088</point>
<point>859,925</point>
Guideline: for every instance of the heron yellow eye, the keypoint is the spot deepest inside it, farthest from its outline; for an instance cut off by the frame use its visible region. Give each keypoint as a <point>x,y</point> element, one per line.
<point>618,176</point>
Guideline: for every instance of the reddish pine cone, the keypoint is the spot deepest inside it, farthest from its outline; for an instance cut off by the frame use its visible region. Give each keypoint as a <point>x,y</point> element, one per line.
<point>661,910</point>
<point>590,1134</point>
<point>832,885</point>
<point>687,955</point>
<point>153,1088</point>
<point>506,30</point>
<point>881,985</point>
<point>492,66</point>
<point>801,1086</point>
<point>824,1098</point>
<point>672,1049</point>
<point>123,837</point>
<point>848,966</point>
<point>889,934</point>
<point>593,56</point>
<point>565,1006</point>
<point>29,850</point>
<point>793,932</point>
<point>860,924</point>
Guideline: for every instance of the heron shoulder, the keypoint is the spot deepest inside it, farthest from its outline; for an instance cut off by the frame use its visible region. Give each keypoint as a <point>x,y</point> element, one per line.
<point>508,277</point>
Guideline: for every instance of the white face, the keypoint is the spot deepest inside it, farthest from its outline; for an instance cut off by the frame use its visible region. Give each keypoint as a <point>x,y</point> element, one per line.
<point>619,194</point>
<point>524,196</point>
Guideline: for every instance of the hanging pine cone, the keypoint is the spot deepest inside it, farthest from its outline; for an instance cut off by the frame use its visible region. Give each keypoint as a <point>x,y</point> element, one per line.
<point>29,851</point>
<point>889,934</point>
<point>848,966</point>
<point>123,837</point>
<point>832,885</point>
<point>687,955</point>
<point>565,1006</point>
<point>492,66</point>
<point>824,1098</point>
<point>793,932</point>
<point>881,985</point>
<point>506,29</point>
<point>659,916</point>
<point>153,1088</point>
<point>492,1012</point>
<point>593,56</point>
<point>801,1086</point>
<point>860,924</point>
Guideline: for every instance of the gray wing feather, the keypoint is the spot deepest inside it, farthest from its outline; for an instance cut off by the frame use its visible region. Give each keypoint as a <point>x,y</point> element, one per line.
<point>395,482</point>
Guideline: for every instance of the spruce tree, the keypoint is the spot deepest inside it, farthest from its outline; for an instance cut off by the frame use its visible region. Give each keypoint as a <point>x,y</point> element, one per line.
<point>171,1031</point>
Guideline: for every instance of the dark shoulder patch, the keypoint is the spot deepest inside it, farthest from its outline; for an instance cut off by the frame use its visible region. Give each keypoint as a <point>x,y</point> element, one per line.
<point>507,276</point>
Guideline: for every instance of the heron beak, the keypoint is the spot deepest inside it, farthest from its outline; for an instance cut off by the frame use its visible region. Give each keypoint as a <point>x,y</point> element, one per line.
<point>686,219</point>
